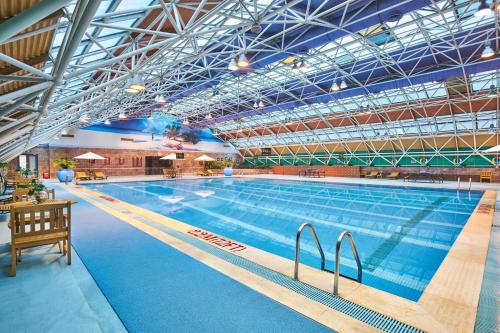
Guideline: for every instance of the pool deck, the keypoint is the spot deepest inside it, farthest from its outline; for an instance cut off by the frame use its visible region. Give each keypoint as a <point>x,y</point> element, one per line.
<point>449,303</point>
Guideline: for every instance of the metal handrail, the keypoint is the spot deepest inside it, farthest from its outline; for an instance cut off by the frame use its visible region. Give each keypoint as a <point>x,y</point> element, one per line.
<point>337,260</point>
<point>470,183</point>
<point>458,186</point>
<point>297,249</point>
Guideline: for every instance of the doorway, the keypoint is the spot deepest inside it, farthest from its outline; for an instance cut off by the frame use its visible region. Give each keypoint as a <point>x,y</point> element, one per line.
<point>154,165</point>
<point>28,161</point>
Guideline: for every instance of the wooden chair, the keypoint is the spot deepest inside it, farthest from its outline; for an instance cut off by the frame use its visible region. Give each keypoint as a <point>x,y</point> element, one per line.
<point>393,175</point>
<point>486,175</point>
<point>169,173</point>
<point>100,175</point>
<point>82,175</point>
<point>53,226</point>
<point>51,193</point>
<point>20,194</point>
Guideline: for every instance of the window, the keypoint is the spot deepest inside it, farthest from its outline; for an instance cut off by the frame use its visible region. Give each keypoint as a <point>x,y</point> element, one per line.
<point>120,160</point>
<point>136,161</point>
<point>179,156</point>
<point>107,161</point>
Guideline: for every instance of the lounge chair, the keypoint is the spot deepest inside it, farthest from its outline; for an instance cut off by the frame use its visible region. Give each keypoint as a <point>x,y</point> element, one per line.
<point>203,173</point>
<point>100,175</point>
<point>82,175</point>
<point>373,174</point>
<point>485,175</point>
<point>393,175</point>
<point>210,172</point>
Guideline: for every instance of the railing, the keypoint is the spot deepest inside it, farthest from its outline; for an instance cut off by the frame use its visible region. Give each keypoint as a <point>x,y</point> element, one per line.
<point>322,254</point>
<point>297,249</point>
<point>337,260</point>
<point>458,184</point>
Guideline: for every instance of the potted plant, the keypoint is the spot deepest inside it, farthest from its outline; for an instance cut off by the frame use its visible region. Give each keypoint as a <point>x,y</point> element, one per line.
<point>38,192</point>
<point>228,168</point>
<point>65,173</point>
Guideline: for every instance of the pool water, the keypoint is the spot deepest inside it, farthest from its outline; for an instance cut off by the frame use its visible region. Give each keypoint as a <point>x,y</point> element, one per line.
<point>402,234</point>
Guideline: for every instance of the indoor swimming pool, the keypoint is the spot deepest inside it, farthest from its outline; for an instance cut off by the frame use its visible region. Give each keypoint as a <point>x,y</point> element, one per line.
<point>402,233</point>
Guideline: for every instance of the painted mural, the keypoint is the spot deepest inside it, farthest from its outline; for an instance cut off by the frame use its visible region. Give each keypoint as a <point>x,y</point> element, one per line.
<point>160,132</point>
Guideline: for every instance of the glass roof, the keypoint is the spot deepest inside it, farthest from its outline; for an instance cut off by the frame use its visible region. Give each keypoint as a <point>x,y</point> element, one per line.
<point>182,50</point>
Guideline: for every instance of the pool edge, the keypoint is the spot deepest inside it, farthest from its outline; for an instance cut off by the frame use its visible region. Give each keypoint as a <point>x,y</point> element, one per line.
<point>382,302</point>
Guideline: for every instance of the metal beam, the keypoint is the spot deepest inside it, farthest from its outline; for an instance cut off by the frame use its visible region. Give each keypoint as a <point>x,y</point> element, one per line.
<point>18,103</point>
<point>64,57</point>
<point>23,92</point>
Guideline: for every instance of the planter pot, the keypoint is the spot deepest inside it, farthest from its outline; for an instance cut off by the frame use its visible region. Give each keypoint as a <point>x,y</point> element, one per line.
<point>228,171</point>
<point>40,196</point>
<point>65,175</point>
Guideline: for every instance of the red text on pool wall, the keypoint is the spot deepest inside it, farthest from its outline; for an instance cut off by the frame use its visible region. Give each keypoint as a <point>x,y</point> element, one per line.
<point>216,240</point>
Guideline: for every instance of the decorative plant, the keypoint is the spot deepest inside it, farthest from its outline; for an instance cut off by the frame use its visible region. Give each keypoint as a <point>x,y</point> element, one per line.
<point>4,166</point>
<point>25,172</point>
<point>64,163</point>
<point>218,164</point>
<point>38,191</point>
<point>36,187</point>
<point>190,137</point>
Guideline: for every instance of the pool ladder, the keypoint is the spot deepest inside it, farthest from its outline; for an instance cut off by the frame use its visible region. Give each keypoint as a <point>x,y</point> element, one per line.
<point>336,272</point>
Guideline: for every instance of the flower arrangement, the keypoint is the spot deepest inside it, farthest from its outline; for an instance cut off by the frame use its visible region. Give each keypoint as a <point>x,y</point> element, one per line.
<point>37,191</point>
<point>64,163</point>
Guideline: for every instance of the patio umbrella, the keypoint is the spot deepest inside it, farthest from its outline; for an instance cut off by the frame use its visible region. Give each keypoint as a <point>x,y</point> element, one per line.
<point>89,156</point>
<point>172,156</point>
<point>495,149</point>
<point>204,158</point>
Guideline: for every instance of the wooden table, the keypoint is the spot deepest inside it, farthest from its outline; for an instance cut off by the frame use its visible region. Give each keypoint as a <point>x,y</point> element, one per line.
<point>8,206</point>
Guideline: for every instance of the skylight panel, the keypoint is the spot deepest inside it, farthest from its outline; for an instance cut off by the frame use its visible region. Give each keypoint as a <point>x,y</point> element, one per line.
<point>93,58</point>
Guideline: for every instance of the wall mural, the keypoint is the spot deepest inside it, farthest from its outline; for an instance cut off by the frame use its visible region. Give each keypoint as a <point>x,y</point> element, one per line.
<point>162,132</point>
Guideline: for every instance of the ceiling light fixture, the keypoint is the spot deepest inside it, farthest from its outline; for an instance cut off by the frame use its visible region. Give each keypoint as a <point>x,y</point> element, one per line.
<point>232,65</point>
<point>160,99</point>
<point>343,84</point>
<point>487,51</point>
<point>483,10</point>
<point>85,118</point>
<point>493,91</point>
<point>255,104</point>
<point>107,122</point>
<point>208,116</point>
<point>303,67</point>
<point>122,115</point>
<point>185,122</point>
<point>64,131</point>
<point>261,104</point>
<point>335,86</point>
<point>137,83</point>
<point>243,61</point>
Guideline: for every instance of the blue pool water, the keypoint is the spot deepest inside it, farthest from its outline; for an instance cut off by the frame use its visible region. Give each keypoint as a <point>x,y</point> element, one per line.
<point>402,233</point>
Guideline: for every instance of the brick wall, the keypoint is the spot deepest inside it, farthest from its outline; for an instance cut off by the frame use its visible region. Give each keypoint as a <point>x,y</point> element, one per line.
<point>330,171</point>
<point>121,161</point>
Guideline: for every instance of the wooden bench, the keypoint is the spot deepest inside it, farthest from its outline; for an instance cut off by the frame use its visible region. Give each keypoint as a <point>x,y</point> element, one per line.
<point>486,175</point>
<point>36,225</point>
